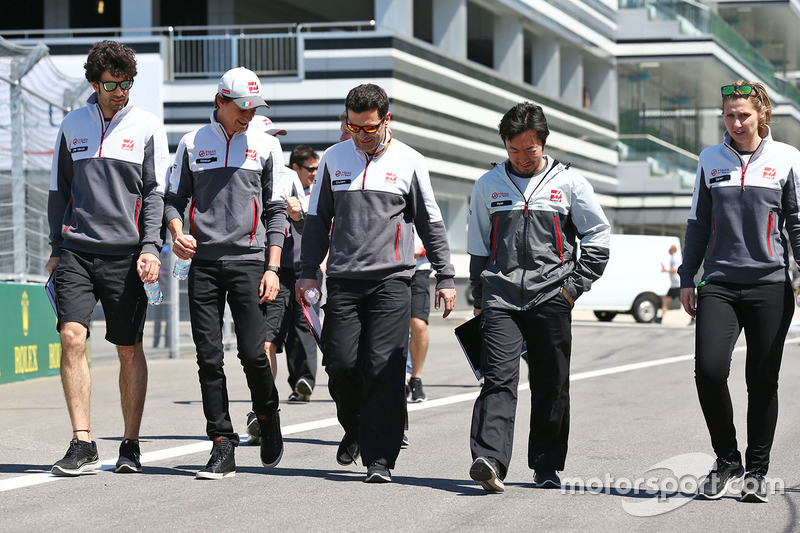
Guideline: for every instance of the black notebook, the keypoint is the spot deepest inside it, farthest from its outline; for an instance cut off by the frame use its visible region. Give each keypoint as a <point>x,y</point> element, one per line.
<point>469,337</point>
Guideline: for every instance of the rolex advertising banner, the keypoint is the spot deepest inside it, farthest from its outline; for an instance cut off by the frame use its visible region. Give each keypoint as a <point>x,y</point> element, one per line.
<point>29,343</point>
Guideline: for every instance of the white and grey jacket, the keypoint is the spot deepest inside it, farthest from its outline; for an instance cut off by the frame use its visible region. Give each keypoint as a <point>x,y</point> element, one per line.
<point>523,250</point>
<point>237,186</point>
<point>738,213</point>
<point>368,205</point>
<point>107,182</point>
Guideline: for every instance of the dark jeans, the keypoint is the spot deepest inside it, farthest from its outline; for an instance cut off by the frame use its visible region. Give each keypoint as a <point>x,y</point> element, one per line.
<point>765,313</point>
<point>210,284</point>
<point>365,340</point>
<point>546,329</point>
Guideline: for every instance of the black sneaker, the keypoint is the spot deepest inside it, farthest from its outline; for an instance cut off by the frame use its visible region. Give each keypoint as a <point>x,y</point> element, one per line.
<point>129,461</point>
<point>378,473</point>
<point>222,463</point>
<point>486,471</point>
<point>348,451</point>
<point>303,390</point>
<point>722,475</point>
<point>253,429</point>
<point>546,480</point>
<point>81,457</point>
<point>404,443</point>
<point>417,394</point>
<point>754,488</point>
<point>271,439</point>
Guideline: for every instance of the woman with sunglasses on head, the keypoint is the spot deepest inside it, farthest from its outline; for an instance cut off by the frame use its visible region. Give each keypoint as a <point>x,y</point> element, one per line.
<point>745,195</point>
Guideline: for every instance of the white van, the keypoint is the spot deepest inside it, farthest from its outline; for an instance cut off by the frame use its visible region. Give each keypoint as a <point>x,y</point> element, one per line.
<point>633,281</point>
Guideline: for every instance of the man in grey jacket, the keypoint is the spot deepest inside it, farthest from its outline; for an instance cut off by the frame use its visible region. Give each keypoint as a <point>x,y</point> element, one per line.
<point>105,208</point>
<point>526,274</point>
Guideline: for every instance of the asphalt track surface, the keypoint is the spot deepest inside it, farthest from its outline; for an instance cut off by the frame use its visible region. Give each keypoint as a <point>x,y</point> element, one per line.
<point>638,446</point>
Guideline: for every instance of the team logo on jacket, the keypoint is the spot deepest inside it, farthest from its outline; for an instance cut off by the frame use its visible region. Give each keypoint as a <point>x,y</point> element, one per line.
<point>207,153</point>
<point>715,171</point>
<point>555,195</point>
<point>127,145</point>
<point>769,173</point>
<point>250,155</point>
<point>391,177</point>
<point>76,148</point>
<point>496,195</point>
<point>339,173</point>
<point>252,86</point>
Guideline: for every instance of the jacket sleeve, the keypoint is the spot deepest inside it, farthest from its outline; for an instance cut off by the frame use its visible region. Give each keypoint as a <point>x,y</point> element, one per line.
<point>276,187</point>
<point>154,174</point>
<point>791,206</point>
<point>430,227</point>
<point>180,186</point>
<point>316,233</point>
<point>698,230</point>
<point>479,234</point>
<point>60,192</point>
<point>592,225</point>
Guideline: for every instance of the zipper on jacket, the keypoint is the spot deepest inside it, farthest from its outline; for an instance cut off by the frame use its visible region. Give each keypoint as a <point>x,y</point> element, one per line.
<point>72,202</point>
<point>136,215</point>
<point>103,129</point>
<point>227,147</point>
<point>494,237</point>
<point>191,218</point>
<point>769,233</point>
<point>741,161</point>
<point>397,243</point>
<point>255,221</point>
<point>558,238</point>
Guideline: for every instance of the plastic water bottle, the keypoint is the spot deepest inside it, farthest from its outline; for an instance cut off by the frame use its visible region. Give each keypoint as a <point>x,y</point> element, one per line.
<point>181,270</point>
<point>312,296</point>
<point>153,291</point>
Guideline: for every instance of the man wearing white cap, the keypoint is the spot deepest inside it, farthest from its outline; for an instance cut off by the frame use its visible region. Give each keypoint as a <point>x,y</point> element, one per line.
<point>233,176</point>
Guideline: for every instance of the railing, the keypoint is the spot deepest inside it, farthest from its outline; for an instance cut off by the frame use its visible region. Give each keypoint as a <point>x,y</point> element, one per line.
<point>209,51</point>
<point>696,18</point>
<point>666,160</point>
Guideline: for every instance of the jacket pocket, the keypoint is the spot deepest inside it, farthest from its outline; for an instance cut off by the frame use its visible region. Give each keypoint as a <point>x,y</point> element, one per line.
<point>192,211</point>
<point>137,208</point>
<point>713,237</point>
<point>254,227</point>
<point>397,243</point>
<point>559,242</point>
<point>493,243</point>
<point>770,225</point>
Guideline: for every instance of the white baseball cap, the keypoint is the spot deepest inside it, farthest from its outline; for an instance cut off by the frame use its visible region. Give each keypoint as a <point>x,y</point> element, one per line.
<point>243,86</point>
<point>267,126</point>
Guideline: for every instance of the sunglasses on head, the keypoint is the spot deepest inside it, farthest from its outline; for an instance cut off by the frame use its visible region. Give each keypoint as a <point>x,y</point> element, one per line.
<point>310,169</point>
<point>111,86</point>
<point>371,128</point>
<point>744,89</point>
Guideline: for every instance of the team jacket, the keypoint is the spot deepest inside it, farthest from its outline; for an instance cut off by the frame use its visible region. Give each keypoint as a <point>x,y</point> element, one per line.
<point>738,213</point>
<point>236,186</point>
<point>107,182</point>
<point>369,205</point>
<point>526,246</point>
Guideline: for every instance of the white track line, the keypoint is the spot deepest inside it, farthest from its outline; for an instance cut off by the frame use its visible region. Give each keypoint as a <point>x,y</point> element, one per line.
<point>29,480</point>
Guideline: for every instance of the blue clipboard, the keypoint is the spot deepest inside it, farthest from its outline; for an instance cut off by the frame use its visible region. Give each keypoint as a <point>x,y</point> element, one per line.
<point>50,289</point>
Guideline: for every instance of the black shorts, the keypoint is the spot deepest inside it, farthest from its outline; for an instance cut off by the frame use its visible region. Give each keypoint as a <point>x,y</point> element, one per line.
<point>82,279</point>
<point>279,310</point>
<point>674,292</point>
<point>421,295</point>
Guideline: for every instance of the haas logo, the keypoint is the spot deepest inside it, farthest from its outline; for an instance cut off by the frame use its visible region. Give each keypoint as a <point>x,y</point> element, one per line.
<point>391,177</point>
<point>555,195</point>
<point>250,155</point>
<point>127,144</point>
<point>769,173</point>
<point>252,86</point>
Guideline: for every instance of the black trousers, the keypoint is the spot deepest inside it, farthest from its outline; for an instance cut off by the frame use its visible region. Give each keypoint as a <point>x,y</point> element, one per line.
<point>210,284</point>
<point>547,331</point>
<point>364,346</point>
<point>765,313</point>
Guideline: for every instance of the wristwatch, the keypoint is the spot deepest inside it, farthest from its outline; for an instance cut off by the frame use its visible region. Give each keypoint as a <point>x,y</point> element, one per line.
<point>273,268</point>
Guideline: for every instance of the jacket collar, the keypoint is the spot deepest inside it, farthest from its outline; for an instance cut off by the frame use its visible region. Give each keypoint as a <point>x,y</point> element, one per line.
<point>97,113</point>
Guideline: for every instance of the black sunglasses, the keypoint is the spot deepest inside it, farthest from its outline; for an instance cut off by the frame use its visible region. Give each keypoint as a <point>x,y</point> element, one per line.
<point>111,86</point>
<point>310,169</point>
<point>744,89</point>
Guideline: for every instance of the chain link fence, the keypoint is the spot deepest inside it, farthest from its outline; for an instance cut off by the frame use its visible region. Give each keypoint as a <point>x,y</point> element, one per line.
<point>34,98</point>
